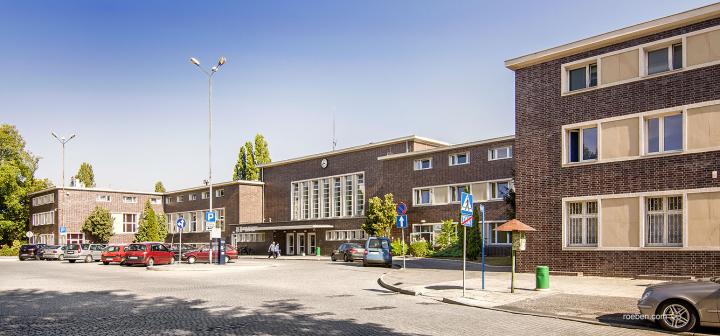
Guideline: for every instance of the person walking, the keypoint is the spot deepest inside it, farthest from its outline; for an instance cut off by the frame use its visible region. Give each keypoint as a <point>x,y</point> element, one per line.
<point>276,251</point>
<point>271,250</point>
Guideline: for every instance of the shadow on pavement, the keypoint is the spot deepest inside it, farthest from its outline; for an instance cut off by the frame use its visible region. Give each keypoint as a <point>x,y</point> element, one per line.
<point>449,264</point>
<point>635,320</point>
<point>34,312</point>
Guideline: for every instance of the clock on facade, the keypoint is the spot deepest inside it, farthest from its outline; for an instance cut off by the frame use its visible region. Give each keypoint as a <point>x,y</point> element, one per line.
<point>323,163</point>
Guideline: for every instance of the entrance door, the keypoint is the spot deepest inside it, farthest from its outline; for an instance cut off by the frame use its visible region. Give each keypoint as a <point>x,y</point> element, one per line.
<point>290,244</point>
<point>301,243</point>
<point>312,243</point>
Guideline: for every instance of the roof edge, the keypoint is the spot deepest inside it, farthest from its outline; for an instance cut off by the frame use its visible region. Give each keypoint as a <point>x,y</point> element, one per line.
<point>447,148</point>
<point>221,184</point>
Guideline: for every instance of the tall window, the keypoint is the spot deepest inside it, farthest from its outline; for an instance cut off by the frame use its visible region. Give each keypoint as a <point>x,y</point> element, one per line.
<point>193,197</point>
<point>583,77</point>
<point>664,59</point>
<point>220,193</point>
<point>337,196</point>
<point>664,221</point>
<point>498,190</point>
<point>326,197</point>
<point>349,195</point>
<point>423,196</point>
<point>221,219</point>
<point>329,197</point>
<point>582,226</point>
<point>500,153</point>
<point>458,159</point>
<point>360,197</point>
<point>205,195</point>
<point>295,201</point>
<point>180,198</point>
<point>456,191</point>
<point>316,199</point>
<point>582,144</point>
<point>129,223</point>
<point>305,200</point>
<point>193,222</point>
<point>498,237</point>
<point>422,164</point>
<point>664,134</point>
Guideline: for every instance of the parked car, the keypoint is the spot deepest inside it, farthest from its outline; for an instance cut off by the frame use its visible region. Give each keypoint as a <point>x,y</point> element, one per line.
<point>203,255</point>
<point>377,251</point>
<point>348,252</point>
<point>85,252</point>
<point>113,253</point>
<point>56,252</point>
<point>175,249</point>
<point>30,251</point>
<point>682,305</point>
<point>148,254</point>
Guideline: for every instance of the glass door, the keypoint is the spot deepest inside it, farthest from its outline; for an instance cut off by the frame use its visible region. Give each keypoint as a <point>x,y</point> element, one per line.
<point>301,243</point>
<point>312,243</point>
<point>290,244</point>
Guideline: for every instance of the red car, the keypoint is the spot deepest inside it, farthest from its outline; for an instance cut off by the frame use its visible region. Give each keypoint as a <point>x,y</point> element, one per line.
<point>203,254</point>
<point>113,253</point>
<point>148,254</point>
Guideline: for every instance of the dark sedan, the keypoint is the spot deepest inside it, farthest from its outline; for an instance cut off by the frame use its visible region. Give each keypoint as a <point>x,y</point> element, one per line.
<point>348,252</point>
<point>30,251</point>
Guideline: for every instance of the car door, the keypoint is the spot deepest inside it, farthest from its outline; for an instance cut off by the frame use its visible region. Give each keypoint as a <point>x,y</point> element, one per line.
<point>339,254</point>
<point>203,254</point>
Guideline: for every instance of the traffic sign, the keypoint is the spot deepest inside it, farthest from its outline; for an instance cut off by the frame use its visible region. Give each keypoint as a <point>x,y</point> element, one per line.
<point>62,230</point>
<point>180,223</point>
<point>466,201</point>
<point>210,216</point>
<point>29,234</point>
<point>401,208</point>
<point>466,220</point>
<point>401,221</point>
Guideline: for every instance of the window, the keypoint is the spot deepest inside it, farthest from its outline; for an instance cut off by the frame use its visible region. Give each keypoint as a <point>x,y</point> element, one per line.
<point>584,77</point>
<point>205,195</point>
<point>498,190</point>
<point>664,221</point>
<point>455,192</point>
<point>192,197</point>
<point>337,235</point>
<point>348,195</point>
<point>423,196</point>
<point>194,222</point>
<point>498,237</point>
<point>360,196</point>
<point>458,159</point>
<point>221,219</point>
<point>44,199</point>
<point>664,59</point>
<point>316,199</point>
<point>250,237</point>
<point>129,199</point>
<point>423,164</point>
<point>426,232</point>
<point>582,144</point>
<point>326,198</point>
<point>168,200</point>
<point>305,200</point>
<point>582,223</point>
<point>43,218</point>
<point>129,223</point>
<point>337,196</point>
<point>103,198</point>
<point>180,198</point>
<point>664,134</point>
<point>220,193</point>
<point>155,200</point>
<point>47,238</point>
<point>295,201</point>
<point>500,153</point>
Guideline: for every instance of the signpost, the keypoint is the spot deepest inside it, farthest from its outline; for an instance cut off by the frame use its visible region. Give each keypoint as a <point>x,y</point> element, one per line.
<point>180,223</point>
<point>210,217</point>
<point>482,244</point>
<point>466,218</point>
<point>401,223</point>
<point>29,235</point>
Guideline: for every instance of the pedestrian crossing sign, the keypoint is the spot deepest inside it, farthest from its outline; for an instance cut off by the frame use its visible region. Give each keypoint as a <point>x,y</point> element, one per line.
<point>466,201</point>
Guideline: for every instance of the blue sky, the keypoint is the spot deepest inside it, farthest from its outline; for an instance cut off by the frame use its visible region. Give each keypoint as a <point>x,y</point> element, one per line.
<point>117,74</point>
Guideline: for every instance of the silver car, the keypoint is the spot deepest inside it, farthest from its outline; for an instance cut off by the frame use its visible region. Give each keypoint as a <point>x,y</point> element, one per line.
<point>377,251</point>
<point>682,305</point>
<point>85,252</point>
<point>56,252</point>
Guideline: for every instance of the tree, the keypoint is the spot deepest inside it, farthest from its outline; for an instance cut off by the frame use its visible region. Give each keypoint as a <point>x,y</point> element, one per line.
<point>448,234</point>
<point>509,198</point>
<point>85,175</point>
<point>380,216</point>
<point>252,173</point>
<point>239,172</point>
<point>149,229</point>
<point>474,236</point>
<point>162,225</point>
<point>262,153</point>
<point>99,224</point>
<point>159,187</point>
<point>17,180</point>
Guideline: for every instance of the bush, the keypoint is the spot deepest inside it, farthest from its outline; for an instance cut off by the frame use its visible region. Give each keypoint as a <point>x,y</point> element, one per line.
<point>452,251</point>
<point>396,247</point>
<point>420,248</point>
<point>13,250</point>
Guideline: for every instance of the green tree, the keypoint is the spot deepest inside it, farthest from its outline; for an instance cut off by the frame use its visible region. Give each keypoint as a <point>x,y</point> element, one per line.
<point>17,180</point>
<point>149,227</point>
<point>252,173</point>
<point>159,187</point>
<point>85,175</point>
<point>448,234</point>
<point>99,224</point>
<point>510,210</point>
<point>262,153</point>
<point>162,225</point>
<point>380,216</point>
<point>474,235</point>
<point>239,172</point>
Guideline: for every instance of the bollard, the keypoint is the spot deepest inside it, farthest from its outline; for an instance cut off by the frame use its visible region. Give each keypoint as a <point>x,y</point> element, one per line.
<point>317,251</point>
<point>542,278</point>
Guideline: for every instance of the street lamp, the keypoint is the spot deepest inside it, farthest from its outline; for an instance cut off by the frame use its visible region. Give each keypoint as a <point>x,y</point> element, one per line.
<point>62,141</point>
<point>209,74</point>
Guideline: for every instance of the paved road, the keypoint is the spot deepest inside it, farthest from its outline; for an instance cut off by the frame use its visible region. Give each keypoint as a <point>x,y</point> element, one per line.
<point>251,297</point>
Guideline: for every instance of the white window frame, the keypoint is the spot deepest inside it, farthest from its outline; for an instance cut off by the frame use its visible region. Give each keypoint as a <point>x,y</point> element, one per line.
<point>250,237</point>
<point>155,200</point>
<point>493,153</point>
<point>417,196</point>
<point>345,200</point>
<point>193,197</point>
<point>219,193</point>
<point>417,164</point>
<point>168,199</point>
<point>130,199</point>
<point>661,133</point>
<point>584,217</point>
<point>135,224</point>
<point>44,199</point>
<point>180,198</point>
<point>667,45</point>
<point>345,235</point>
<point>493,189</point>
<point>493,234</point>
<point>586,65</point>
<point>43,218</point>
<point>452,191</point>
<point>453,158</point>
<point>666,213</point>
<point>103,198</point>
<point>581,130</point>
<point>205,195</point>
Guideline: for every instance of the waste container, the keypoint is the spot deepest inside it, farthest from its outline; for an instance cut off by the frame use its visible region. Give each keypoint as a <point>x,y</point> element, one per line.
<point>542,278</point>
<point>317,251</point>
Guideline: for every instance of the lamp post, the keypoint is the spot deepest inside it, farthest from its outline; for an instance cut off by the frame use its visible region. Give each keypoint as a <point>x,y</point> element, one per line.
<point>209,74</point>
<point>62,141</point>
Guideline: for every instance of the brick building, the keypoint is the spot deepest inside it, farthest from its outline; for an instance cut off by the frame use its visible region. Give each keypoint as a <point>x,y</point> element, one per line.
<point>617,149</point>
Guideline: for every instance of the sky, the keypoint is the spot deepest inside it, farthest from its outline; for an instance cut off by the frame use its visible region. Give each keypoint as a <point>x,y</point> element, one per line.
<point>116,74</point>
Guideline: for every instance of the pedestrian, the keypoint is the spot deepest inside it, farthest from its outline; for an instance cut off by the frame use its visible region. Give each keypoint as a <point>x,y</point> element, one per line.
<point>271,250</point>
<point>276,251</point>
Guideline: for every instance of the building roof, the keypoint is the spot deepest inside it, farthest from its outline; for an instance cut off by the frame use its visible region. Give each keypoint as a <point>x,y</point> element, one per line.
<point>215,185</point>
<point>446,148</point>
<point>616,36</point>
<point>413,138</point>
<point>117,191</point>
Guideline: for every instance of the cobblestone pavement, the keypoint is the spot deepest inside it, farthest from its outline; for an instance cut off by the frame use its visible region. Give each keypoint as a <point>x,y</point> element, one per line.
<point>250,297</point>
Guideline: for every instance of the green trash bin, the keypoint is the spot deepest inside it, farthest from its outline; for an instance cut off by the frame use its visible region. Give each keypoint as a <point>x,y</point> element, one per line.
<point>542,278</point>
<point>317,251</point>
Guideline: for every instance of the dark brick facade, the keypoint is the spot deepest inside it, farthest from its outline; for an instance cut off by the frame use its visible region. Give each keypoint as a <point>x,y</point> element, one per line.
<point>541,182</point>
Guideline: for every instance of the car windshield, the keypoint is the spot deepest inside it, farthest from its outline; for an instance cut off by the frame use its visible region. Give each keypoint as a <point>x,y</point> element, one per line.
<point>85,246</point>
<point>374,243</point>
<point>354,246</point>
<point>112,248</point>
<point>73,247</point>
<point>135,247</point>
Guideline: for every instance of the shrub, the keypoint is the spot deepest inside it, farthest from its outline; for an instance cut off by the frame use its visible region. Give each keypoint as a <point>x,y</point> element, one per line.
<point>420,248</point>
<point>7,250</point>
<point>397,247</point>
<point>452,251</point>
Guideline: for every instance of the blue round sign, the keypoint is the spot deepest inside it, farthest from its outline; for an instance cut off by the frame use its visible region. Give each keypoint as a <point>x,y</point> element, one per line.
<point>180,223</point>
<point>401,208</point>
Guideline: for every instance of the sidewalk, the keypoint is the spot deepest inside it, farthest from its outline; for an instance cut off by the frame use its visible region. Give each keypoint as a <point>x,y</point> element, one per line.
<point>283,257</point>
<point>585,298</point>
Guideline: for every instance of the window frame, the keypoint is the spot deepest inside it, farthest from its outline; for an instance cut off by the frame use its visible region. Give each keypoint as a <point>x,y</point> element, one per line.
<point>661,132</point>
<point>666,213</point>
<point>219,193</point>
<point>493,190</point>
<point>584,216</point>
<point>668,46</point>
<point>417,195</point>
<point>103,198</point>
<point>417,163</point>
<point>581,132</point>
<point>492,153</point>
<point>134,224</point>
<point>452,192</point>
<point>452,159</point>
<point>130,199</point>
<point>588,81</point>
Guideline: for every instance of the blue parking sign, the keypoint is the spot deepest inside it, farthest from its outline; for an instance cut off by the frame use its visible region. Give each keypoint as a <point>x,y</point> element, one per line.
<point>210,216</point>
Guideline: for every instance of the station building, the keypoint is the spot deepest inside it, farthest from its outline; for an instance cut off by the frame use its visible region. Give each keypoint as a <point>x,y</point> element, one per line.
<point>617,140</point>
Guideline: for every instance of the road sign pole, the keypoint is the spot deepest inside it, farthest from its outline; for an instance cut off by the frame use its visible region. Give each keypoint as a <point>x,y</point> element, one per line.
<point>403,246</point>
<point>464,255</point>
<point>482,245</point>
<point>180,248</point>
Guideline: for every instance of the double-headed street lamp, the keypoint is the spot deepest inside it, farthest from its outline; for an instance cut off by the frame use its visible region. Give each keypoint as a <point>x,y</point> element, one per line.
<point>62,141</point>
<point>209,74</point>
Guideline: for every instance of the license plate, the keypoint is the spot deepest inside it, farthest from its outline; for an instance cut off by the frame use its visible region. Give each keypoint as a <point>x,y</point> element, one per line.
<point>71,252</point>
<point>374,252</point>
<point>132,258</point>
<point>23,254</point>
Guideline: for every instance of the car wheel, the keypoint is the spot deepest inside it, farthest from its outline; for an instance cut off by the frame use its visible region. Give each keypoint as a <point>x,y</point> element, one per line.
<point>151,262</point>
<point>106,263</point>
<point>191,260</point>
<point>88,259</point>
<point>72,261</point>
<point>61,257</point>
<point>677,316</point>
<point>227,259</point>
<point>22,259</point>
<point>365,263</point>
<point>332,257</point>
